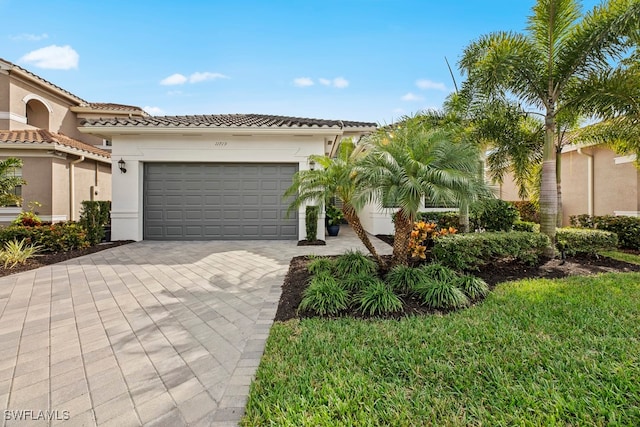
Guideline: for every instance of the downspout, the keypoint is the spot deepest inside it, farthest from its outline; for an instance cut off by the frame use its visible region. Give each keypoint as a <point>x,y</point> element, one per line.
<point>72,187</point>
<point>590,203</point>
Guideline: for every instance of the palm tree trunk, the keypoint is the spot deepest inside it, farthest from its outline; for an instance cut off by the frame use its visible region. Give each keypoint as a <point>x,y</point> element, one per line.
<point>464,217</point>
<point>353,219</point>
<point>403,226</point>
<point>549,186</point>
<point>559,184</point>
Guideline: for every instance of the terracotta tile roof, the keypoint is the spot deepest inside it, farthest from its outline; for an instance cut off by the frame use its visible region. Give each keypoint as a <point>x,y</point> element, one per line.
<point>11,66</point>
<point>226,120</point>
<point>41,136</point>
<point>112,106</point>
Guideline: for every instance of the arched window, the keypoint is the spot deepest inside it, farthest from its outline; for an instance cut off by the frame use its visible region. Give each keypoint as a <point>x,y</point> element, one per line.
<point>38,111</point>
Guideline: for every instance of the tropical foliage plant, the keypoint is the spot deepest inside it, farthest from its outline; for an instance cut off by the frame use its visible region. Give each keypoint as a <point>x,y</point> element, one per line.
<point>561,49</point>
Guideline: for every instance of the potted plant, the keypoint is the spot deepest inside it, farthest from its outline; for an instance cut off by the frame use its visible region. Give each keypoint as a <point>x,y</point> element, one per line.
<point>334,218</point>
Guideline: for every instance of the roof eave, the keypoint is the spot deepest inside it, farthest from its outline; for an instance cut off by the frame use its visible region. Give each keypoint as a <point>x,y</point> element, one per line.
<point>56,147</point>
<point>133,130</point>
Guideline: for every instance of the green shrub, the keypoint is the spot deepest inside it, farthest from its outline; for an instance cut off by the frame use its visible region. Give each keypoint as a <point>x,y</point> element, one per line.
<point>27,219</point>
<point>378,298</point>
<point>359,281</point>
<point>442,219</point>
<point>442,294</point>
<point>527,226</point>
<point>627,228</point>
<point>470,251</point>
<point>17,252</point>
<point>528,210</point>
<point>319,265</point>
<point>438,272</point>
<point>405,279</point>
<point>59,237</point>
<point>585,241</point>
<point>493,215</point>
<point>93,218</point>
<point>354,262</point>
<point>324,295</point>
<point>311,222</point>
<point>472,286</point>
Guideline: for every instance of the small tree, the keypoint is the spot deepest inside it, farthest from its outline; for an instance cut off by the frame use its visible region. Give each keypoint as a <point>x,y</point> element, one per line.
<point>93,217</point>
<point>412,161</point>
<point>311,222</point>
<point>9,182</point>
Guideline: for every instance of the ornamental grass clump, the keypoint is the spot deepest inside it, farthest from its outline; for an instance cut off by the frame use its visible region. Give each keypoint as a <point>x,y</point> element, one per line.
<point>439,272</point>
<point>359,281</point>
<point>320,265</point>
<point>442,294</point>
<point>354,262</point>
<point>324,295</point>
<point>473,287</point>
<point>378,298</point>
<point>17,252</point>
<point>404,279</point>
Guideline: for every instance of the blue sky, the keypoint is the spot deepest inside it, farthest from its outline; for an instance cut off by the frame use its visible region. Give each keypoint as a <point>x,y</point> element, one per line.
<point>369,60</point>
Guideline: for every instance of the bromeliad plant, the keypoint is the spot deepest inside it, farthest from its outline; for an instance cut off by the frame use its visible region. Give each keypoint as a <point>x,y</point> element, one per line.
<point>422,236</point>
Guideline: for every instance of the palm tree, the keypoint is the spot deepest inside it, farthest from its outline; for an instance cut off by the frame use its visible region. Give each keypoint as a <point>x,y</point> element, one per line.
<point>8,181</point>
<point>560,50</point>
<point>406,163</point>
<point>336,177</point>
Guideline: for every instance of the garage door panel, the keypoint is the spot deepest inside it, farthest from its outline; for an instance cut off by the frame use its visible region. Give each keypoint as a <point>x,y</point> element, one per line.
<point>206,201</point>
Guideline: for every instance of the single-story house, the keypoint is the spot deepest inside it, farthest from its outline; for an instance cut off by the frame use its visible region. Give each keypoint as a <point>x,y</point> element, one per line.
<point>212,177</point>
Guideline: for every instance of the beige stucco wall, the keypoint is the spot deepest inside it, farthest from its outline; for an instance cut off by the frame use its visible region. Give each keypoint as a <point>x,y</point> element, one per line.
<point>615,186</point>
<point>4,101</point>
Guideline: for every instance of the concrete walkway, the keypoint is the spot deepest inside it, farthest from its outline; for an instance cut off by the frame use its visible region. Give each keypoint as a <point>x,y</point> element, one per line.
<point>150,333</point>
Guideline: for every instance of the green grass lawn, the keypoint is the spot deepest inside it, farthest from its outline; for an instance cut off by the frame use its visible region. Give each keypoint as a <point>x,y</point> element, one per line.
<point>535,352</point>
<point>622,256</point>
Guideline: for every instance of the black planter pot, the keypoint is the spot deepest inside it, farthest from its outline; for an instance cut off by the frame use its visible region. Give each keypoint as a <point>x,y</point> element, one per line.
<point>107,233</point>
<point>333,230</point>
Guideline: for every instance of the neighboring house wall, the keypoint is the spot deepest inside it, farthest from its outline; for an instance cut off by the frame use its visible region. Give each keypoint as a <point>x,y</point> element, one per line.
<point>610,188</point>
<point>127,208</point>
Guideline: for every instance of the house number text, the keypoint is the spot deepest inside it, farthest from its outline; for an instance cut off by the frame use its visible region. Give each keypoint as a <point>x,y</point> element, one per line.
<point>220,143</point>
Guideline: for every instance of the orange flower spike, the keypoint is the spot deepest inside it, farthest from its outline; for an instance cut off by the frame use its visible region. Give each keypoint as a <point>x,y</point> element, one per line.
<point>452,230</point>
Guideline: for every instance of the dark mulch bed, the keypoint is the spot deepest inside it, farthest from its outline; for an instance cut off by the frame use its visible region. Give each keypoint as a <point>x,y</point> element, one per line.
<point>311,243</point>
<point>52,258</point>
<point>296,281</point>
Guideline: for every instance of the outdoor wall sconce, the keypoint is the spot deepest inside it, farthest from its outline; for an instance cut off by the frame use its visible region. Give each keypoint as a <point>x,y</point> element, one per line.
<point>121,165</point>
<point>312,164</point>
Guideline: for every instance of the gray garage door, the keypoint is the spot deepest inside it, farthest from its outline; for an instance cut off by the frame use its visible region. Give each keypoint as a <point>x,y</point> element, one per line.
<point>214,201</point>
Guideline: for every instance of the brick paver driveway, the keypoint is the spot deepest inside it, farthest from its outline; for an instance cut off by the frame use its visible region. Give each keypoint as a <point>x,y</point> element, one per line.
<point>151,333</point>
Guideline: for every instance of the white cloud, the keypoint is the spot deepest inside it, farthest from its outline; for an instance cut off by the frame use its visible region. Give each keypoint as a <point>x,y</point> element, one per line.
<point>302,82</point>
<point>53,57</point>
<point>338,82</point>
<point>30,37</point>
<point>197,77</point>
<point>411,97</point>
<point>174,79</point>
<point>428,84</point>
<point>201,77</point>
<point>154,111</point>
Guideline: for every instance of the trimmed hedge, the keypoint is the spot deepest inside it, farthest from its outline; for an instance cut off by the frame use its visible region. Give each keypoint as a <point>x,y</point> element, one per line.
<point>626,227</point>
<point>59,237</point>
<point>493,215</point>
<point>470,251</point>
<point>585,241</point>
<point>530,227</point>
<point>311,222</point>
<point>442,219</point>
